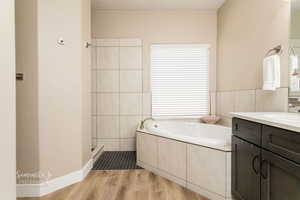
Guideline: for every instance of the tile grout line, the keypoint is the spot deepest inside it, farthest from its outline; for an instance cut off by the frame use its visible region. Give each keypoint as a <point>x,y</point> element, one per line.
<point>96,96</point>
<point>118,115</point>
<point>119,118</point>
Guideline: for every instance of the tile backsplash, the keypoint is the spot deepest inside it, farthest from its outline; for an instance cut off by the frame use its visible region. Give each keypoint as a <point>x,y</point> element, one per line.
<point>119,103</point>
<point>250,101</point>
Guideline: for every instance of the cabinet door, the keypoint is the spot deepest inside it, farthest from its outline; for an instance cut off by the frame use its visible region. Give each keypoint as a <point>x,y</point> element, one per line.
<point>245,170</point>
<point>280,178</point>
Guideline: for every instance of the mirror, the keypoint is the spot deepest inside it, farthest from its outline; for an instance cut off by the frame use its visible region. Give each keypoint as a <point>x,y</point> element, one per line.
<point>294,57</point>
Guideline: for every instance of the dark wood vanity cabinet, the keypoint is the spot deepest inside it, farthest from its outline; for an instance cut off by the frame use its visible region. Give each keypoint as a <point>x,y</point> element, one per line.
<point>280,178</point>
<point>267,166</point>
<point>245,165</point>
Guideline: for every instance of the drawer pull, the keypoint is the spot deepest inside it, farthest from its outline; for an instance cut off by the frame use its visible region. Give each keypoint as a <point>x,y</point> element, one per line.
<point>253,164</point>
<point>264,175</point>
<point>236,127</point>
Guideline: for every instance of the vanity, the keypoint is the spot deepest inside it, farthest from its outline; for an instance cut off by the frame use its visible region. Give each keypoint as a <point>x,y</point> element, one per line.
<point>266,156</point>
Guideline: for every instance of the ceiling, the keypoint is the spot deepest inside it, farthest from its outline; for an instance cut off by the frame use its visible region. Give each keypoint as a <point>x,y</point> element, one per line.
<point>156,4</point>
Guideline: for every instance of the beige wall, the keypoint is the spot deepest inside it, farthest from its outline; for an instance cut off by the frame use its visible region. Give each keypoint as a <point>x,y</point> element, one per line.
<point>155,27</point>
<point>247,30</point>
<point>60,86</point>
<point>86,81</point>
<point>27,90</point>
<point>7,101</point>
<point>54,106</point>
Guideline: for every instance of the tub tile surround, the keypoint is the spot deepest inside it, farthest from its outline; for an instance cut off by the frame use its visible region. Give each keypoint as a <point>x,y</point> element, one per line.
<point>250,101</point>
<point>179,162</point>
<point>117,92</point>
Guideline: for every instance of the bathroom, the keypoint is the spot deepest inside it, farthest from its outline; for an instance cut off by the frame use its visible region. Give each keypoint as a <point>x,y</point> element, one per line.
<point>127,99</point>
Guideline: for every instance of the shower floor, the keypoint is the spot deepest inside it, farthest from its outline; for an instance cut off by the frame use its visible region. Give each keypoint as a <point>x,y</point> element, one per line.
<point>116,160</point>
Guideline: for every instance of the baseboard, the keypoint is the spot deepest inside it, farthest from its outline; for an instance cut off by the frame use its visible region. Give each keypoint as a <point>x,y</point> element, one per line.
<point>38,190</point>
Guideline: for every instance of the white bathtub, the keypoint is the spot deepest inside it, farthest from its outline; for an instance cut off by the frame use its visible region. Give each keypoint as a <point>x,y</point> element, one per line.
<point>212,136</point>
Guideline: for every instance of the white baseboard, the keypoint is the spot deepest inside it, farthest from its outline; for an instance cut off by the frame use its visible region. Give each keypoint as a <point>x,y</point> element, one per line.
<point>38,190</point>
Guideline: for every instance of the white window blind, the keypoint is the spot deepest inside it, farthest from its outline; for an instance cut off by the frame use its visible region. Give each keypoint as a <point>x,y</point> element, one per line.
<point>180,80</point>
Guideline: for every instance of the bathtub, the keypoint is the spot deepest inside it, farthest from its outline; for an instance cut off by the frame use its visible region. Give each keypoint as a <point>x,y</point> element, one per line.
<point>194,155</point>
<point>212,136</point>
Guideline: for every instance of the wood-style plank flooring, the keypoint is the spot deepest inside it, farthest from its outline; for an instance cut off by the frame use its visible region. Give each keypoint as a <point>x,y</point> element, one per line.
<point>122,185</point>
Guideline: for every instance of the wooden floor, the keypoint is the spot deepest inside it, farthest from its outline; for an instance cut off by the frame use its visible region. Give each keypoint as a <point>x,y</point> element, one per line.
<point>122,185</point>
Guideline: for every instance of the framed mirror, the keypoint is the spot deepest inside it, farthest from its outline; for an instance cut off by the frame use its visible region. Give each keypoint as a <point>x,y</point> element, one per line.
<point>294,57</point>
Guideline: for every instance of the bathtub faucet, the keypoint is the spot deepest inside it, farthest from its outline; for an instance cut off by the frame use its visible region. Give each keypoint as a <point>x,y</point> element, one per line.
<point>142,126</point>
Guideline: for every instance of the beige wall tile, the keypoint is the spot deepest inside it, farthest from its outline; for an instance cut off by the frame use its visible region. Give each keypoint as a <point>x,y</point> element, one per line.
<point>94,80</point>
<point>130,42</point>
<point>146,80</point>
<point>225,103</point>
<point>131,81</point>
<point>128,145</point>
<point>108,104</point>
<point>228,174</point>
<point>131,104</point>
<point>170,153</point>
<point>147,104</point>
<point>94,57</point>
<point>267,101</point>
<point>108,57</point>
<point>94,143</point>
<point>94,127</point>
<point>130,57</point>
<point>108,81</point>
<point>128,126</point>
<point>213,103</point>
<point>108,127</point>
<point>109,144</point>
<point>146,117</point>
<point>94,104</point>
<point>245,101</point>
<point>207,169</point>
<point>147,149</point>
<point>108,42</point>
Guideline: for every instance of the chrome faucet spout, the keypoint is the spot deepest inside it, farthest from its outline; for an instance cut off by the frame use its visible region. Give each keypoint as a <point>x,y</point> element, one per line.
<point>142,126</point>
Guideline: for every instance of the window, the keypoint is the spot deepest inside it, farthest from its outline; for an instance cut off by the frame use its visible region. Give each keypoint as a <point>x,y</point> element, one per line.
<point>180,80</point>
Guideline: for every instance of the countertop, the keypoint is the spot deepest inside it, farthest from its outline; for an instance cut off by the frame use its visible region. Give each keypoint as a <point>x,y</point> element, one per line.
<point>284,120</point>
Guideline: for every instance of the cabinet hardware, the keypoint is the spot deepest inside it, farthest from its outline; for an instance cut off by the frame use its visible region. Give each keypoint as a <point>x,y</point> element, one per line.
<point>253,164</point>
<point>236,127</point>
<point>19,76</point>
<point>264,175</point>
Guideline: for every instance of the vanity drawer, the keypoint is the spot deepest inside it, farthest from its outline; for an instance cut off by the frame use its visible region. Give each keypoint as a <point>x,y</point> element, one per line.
<point>283,142</point>
<point>247,130</point>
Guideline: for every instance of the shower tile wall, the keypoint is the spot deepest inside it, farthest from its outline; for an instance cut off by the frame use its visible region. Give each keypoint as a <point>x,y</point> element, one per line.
<point>118,99</point>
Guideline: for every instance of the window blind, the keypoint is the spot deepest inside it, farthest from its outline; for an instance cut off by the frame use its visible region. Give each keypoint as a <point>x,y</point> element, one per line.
<point>180,80</point>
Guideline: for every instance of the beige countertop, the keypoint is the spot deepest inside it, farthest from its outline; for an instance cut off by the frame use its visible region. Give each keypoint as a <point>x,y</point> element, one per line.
<point>284,120</point>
